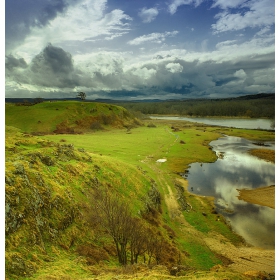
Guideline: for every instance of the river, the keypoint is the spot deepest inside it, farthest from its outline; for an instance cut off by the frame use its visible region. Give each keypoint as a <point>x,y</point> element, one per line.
<point>236,169</point>
<point>265,124</point>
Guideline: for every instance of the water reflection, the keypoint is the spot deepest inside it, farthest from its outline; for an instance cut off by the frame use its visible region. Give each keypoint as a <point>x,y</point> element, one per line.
<point>236,169</point>
<point>234,122</point>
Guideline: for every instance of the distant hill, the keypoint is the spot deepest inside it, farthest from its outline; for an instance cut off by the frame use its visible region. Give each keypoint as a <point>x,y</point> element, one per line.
<point>243,97</point>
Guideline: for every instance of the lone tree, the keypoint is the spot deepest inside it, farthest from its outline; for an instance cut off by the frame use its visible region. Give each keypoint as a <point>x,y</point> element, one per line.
<point>82,95</point>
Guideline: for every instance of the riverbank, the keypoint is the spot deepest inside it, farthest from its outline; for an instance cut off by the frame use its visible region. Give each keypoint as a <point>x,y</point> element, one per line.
<point>264,196</point>
<point>229,122</point>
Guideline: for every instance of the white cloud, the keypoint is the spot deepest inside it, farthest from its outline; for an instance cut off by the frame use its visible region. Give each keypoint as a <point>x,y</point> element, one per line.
<point>148,15</point>
<point>144,72</point>
<point>224,4</point>
<point>259,13</point>
<point>240,74</point>
<point>152,38</point>
<point>82,22</point>
<point>174,67</point>
<point>263,31</point>
<point>226,44</point>
<point>103,63</point>
<point>113,36</point>
<point>172,8</point>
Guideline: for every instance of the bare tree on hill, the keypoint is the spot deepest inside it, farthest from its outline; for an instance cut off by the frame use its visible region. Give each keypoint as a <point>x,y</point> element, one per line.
<point>115,217</point>
<point>82,95</point>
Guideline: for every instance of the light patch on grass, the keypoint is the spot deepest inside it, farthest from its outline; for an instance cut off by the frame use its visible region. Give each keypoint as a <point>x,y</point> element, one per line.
<point>63,266</point>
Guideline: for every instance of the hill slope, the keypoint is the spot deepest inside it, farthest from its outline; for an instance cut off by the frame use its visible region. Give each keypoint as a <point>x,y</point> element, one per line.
<point>48,201</point>
<point>67,117</point>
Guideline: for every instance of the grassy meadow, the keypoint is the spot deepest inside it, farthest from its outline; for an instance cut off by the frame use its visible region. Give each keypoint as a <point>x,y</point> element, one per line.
<point>50,177</point>
<point>142,142</point>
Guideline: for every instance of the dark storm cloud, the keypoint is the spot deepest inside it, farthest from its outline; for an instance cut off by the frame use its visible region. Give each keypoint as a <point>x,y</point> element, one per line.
<point>182,89</point>
<point>53,67</point>
<point>22,15</point>
<point>53,59</point>
<point>124,93</point>
<point>221,82</point>
<point>51,10</point>
<point>12,62</point>
<point>256,62</point>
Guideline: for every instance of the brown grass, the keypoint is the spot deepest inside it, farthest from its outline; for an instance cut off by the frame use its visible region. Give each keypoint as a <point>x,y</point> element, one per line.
<point>262,196</point>
<point>265,154</point>
<point>92,253</point>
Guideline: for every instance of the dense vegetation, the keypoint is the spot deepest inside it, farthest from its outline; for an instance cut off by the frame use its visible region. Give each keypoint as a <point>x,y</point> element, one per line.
<point>258,106</point>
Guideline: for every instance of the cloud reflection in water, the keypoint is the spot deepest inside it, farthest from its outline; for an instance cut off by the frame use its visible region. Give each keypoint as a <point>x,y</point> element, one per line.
<point>237,170</point>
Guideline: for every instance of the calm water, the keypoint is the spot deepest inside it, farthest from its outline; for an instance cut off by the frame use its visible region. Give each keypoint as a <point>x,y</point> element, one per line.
<point>237,170</point>
<point>237,123</point>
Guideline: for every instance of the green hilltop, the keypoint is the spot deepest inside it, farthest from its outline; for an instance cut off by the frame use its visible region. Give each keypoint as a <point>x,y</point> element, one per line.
<point>66,117</point>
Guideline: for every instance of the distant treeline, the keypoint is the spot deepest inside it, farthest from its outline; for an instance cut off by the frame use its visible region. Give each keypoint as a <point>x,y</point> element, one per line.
<point>262,106</point>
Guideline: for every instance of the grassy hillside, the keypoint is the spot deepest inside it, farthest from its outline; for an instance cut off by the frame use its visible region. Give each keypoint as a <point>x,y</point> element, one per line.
<point>48,189</point>
<point>55,186</point>
<point>67,117</point>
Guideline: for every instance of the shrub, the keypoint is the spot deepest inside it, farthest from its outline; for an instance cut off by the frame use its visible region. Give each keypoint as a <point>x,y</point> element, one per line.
<point>151,125</point>
<point>96,125</point>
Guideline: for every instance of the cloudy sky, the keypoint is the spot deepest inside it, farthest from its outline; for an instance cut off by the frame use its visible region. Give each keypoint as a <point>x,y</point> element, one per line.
<point>149,49</point>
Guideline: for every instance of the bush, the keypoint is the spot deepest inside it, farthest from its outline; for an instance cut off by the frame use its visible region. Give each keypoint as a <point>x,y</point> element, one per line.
<point>96,125</point>
<point>151,125</point>
<point>92,253</point>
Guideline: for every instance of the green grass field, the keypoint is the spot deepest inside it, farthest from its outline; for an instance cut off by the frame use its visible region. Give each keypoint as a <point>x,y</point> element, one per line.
<point>124,160</point>
<point>143,142</point>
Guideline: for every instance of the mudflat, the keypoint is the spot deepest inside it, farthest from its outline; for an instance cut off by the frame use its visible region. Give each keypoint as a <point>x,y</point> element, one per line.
<point>265,154</point>
<point>262,196</point>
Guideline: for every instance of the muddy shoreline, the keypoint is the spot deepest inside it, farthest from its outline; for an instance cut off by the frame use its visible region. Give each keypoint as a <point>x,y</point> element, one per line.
<point>264,196</point>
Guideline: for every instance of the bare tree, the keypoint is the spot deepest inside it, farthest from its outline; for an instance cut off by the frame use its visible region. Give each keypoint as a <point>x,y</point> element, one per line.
<point>82,95</point>
<point>115,217</point>
<point>138,240</point>
<point>154,246</point>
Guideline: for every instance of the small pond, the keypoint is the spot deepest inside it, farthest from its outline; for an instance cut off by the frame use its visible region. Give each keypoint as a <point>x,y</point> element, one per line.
<point>236,169</point>
<point>265,124</point>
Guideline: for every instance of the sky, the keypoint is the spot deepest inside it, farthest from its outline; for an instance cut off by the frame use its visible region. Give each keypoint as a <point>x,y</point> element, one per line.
<point>131,50</point>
